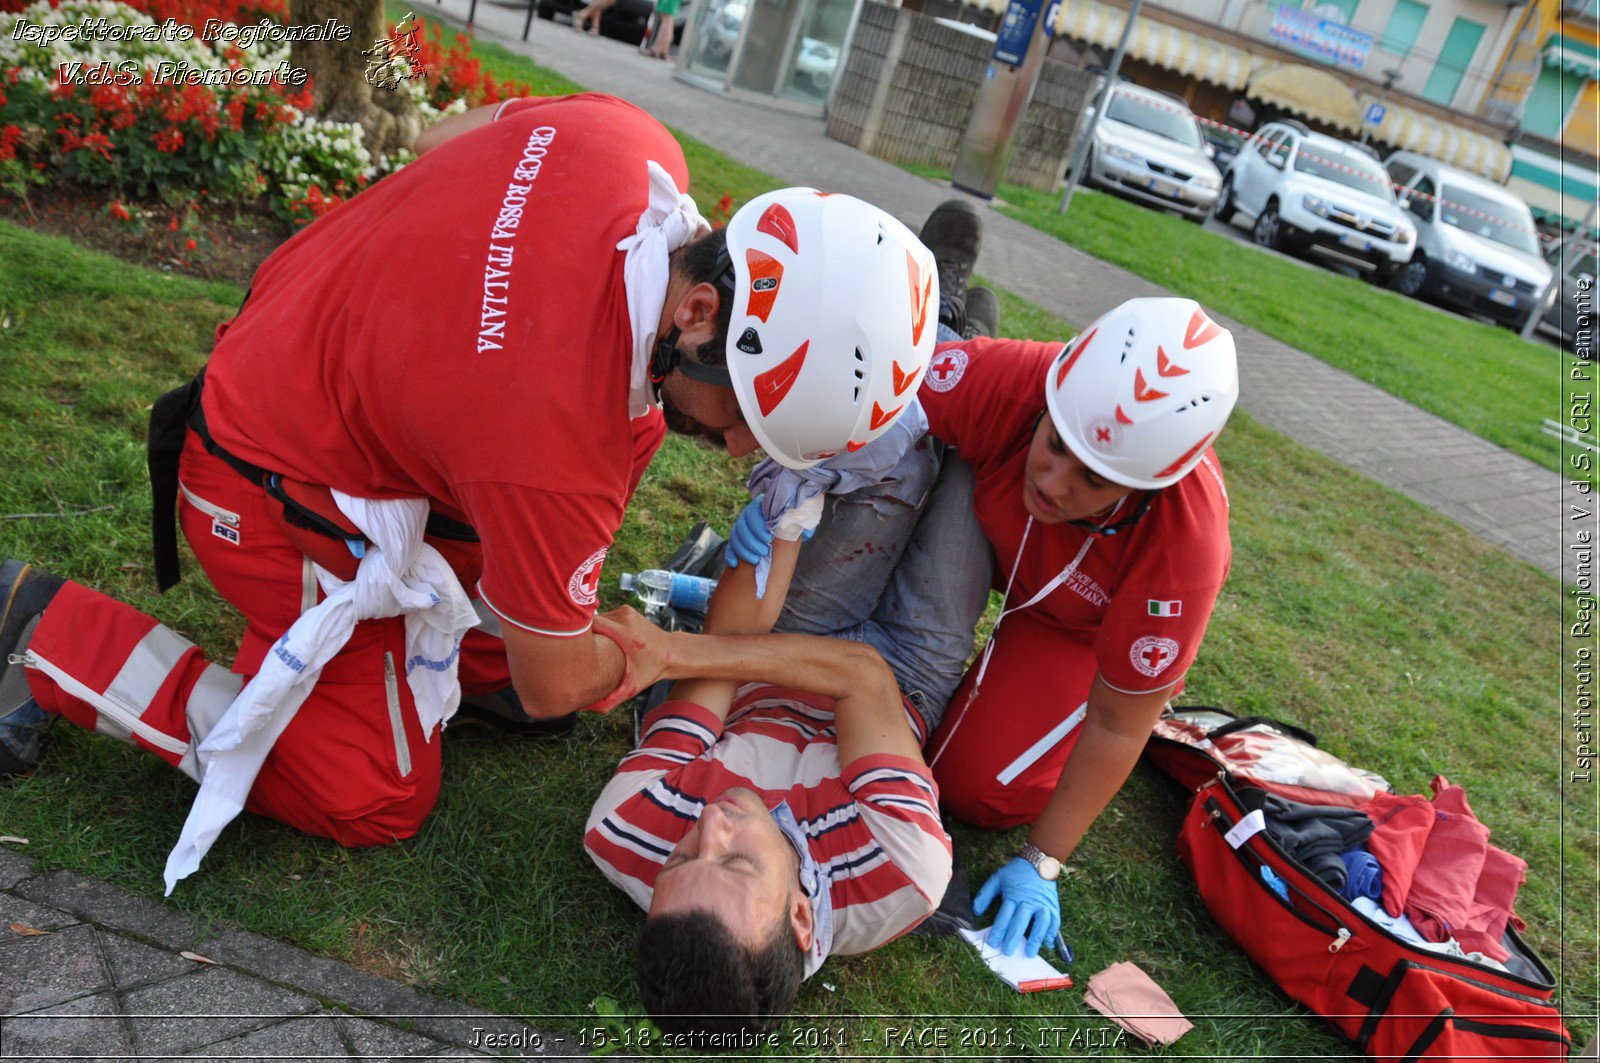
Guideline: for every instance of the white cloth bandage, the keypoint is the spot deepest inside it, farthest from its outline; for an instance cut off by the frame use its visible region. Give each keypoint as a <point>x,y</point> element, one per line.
<point>783,490</point>
<point>670,221</point>
<point>798,519</point>
<point>400,575</point>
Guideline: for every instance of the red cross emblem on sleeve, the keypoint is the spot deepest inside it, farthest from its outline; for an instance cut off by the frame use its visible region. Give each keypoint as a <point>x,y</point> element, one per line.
<point>945,371</point>
<point>1152,655</point>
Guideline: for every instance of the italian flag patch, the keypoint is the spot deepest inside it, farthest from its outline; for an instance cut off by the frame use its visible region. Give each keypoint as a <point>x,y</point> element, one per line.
<point>1156,608</point>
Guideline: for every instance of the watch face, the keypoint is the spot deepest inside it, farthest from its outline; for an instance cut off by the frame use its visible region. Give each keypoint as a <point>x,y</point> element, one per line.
<point>1049,868</point>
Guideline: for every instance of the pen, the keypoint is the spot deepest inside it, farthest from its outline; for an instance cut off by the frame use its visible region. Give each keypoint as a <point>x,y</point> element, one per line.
<point>1063,948</point>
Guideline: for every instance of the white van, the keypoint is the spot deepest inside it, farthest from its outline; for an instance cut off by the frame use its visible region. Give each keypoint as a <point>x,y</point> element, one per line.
<point>1477,247</point>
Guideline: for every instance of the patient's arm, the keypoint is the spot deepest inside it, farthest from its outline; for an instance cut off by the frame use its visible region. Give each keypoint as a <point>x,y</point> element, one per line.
<point>737,647</point>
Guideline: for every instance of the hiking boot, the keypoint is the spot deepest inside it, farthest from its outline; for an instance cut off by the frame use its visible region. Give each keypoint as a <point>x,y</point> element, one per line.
<point>953,232</point>
<point>502,711</point>
<point>983,314</point>
<point>25,591</point>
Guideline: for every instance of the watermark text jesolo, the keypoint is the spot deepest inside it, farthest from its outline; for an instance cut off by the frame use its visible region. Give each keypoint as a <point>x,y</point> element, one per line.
<point>1580,460</point>
<point>213,31</point>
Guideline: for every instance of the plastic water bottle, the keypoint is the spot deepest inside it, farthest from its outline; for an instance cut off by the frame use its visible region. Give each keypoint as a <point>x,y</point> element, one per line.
<point>657,587</point>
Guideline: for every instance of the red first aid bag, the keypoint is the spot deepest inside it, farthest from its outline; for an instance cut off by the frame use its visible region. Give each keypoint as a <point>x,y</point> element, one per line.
<point>1391,998</point>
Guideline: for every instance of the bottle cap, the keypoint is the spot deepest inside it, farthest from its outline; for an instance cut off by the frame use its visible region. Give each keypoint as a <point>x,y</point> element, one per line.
<point>627,581</point>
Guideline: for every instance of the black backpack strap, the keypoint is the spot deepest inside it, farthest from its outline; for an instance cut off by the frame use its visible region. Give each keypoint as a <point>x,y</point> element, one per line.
<point>169,425</point>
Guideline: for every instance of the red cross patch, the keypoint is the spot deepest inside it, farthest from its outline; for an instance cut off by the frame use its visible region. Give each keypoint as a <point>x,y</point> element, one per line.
<point>584,586</point>
<point>1105,435</point>
<point>944,372</point>
<point>1152,654</point>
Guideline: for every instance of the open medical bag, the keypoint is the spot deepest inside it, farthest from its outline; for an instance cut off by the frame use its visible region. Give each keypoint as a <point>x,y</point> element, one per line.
<point>1391,998</point>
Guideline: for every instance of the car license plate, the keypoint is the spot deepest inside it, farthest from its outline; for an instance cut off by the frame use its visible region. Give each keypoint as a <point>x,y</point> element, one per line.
<point>1504,298</point>
<point>1162,188</point>
<point>1360,243</point>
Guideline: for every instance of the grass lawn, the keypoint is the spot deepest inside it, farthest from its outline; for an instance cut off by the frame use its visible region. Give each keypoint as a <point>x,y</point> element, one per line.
<point>1409,645</point>
<point>1484,378</point>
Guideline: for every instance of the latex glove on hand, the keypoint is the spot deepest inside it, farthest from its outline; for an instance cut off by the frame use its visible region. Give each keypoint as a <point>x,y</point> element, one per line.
<point>1029,905</point>
<point>750,540</point>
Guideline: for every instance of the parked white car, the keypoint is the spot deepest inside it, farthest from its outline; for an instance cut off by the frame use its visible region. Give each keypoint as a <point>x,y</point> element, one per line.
<point>722,30</point>
<point>1310,192</point>
<point>815,64</point>
<point>1477,247</point>
<point>1148,147</point>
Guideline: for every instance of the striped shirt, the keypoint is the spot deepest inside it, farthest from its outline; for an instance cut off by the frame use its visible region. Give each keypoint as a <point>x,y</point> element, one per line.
<point>873,830</point>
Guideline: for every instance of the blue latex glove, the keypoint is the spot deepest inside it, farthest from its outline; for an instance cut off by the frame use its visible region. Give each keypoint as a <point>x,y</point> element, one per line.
<point>749,540</point>
<point>1028,905</point>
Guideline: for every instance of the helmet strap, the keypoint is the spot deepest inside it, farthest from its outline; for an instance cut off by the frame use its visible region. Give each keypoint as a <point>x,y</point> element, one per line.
<point>668,356</point>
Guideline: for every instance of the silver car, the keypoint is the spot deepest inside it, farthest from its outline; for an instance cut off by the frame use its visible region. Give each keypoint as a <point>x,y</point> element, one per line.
<point>1148,147</point>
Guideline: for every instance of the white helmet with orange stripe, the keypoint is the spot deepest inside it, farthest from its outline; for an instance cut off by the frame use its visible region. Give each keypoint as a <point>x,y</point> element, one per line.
<point>1142,392</point>
<point>835,307</point>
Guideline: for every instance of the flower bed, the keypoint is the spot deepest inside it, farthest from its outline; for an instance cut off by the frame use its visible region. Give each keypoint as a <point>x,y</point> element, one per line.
<point>119,115</point>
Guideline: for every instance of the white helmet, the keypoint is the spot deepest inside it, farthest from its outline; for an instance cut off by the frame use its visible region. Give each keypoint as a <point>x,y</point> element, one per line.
<point>1143,391</point>
<point>835,307</point>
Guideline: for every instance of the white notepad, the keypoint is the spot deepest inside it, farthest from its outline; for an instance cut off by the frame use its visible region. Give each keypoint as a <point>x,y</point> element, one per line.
<point>1025,974</point>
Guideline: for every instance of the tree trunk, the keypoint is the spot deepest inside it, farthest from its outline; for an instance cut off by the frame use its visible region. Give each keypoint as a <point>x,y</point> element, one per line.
<point>338,73</point>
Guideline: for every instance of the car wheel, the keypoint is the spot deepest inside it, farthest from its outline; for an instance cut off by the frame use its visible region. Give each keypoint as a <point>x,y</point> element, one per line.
<point>1409,278</point>
<point>547,11</point>
<point>1268,231</point>
<point>1224,207</point>
<point>820,81</point>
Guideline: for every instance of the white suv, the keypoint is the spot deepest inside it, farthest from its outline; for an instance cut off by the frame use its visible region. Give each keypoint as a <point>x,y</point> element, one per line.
<point>1149,148</point>
<point>1309,192</point>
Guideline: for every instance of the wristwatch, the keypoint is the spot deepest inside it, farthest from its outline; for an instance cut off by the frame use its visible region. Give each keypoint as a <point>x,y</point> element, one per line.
<point>1049,867</point>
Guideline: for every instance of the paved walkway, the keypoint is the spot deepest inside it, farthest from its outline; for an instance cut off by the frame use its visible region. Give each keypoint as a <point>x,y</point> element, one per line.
<point>88,971</point>
<point>1506,499</point>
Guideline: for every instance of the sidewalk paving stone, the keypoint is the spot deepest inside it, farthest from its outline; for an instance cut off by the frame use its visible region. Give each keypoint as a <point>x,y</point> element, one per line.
<point>181,1014</point>
<point>87,1026</point>
<point>16,911</point>
<point>105,904</point>
<point>41,972</point>
<point>14,867</point>
<point>133,964</point>
<point>307,1040</point>
<point>107,980</point>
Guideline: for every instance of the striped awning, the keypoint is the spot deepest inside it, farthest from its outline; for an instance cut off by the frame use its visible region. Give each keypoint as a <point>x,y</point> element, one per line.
<point>1572,55</point>
<point>1308,91</point>
<point>1157,43</point>
<point>1551,185</point>
<point>1449,143</point>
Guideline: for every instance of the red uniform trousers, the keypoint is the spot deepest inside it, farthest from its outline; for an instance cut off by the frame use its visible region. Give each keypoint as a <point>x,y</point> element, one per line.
<point>997,757</point>
<point>354,764</point>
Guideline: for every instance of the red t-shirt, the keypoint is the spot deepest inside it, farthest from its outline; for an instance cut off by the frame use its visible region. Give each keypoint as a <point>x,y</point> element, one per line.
<point>459,332</point>
<point>1142,597</point>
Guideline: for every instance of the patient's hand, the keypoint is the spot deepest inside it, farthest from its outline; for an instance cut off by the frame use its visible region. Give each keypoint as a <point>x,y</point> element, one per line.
<point>645,649</point>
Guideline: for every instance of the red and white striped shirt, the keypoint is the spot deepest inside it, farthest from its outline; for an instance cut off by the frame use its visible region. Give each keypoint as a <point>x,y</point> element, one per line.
<point>874,833</point>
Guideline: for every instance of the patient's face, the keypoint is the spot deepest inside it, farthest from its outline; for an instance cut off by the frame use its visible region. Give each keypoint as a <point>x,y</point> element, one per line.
<point>735,863</point>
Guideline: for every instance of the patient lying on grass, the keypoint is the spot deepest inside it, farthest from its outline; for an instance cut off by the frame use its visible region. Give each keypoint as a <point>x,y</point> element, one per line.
<point>766,827</point>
